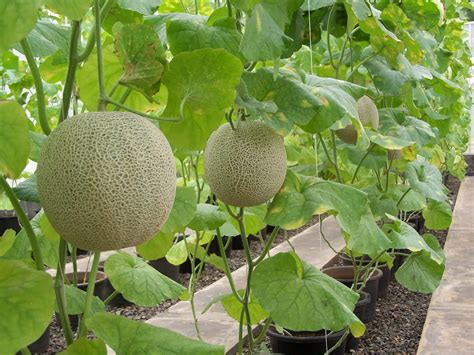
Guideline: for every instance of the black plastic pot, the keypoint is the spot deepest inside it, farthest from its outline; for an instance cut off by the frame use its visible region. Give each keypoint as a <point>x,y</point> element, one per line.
<point>305,343</point>
<point>214,247</point>
<point>166,268</point>
<point>101,290</point>
<point>8,219</point>
<point>359,310</point>
<point>237,243</point>
<point>345,275</point>
<point>384,281</point>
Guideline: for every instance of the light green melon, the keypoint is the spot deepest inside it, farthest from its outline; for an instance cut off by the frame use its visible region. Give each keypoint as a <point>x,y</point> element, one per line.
<point>368,115</point>
<point>246,166</point>
<point>106,180</point>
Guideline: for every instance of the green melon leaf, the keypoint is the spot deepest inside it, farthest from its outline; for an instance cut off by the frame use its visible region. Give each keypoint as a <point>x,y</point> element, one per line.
<point>192,32</point>
<point>234,308</point>
<point>76,299</point>
<point>48,239</point>
<point>127,336</point>
<point>438,215</point>
<point>387,142</point>
<point>420,273</point>
<point>207,217</point>
<point>292,291</point>
<point>83,346</point>
<point>142,56</point>
<point>412,201</point>
<point>386,79</point>
<point>201,85</point>
<point>427,13</point>
<point>27,190</point>
<point>254,219</point>
<point>183,210</point>
<point>138,282</point>
<point>6,241</point>
<point>403,236</point>
<point>426,179</point>
<point>17,20</point>
<point>37,140</point>
<point>74,9</point>
<point>145,7</point>
<point>157,247</point>
<point>312,5</point>
<point>26,304</point>
<point>14,138</point>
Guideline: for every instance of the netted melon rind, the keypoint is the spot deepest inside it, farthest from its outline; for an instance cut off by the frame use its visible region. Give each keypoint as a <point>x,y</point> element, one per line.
<point>245,167</point>
<point>368,113</point>
<point>106,180</point>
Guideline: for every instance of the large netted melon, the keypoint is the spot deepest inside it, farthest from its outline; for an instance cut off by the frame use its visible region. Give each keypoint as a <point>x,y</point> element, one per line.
<point>368,115</point>
<point>106,180</point>
<point>246,166</point>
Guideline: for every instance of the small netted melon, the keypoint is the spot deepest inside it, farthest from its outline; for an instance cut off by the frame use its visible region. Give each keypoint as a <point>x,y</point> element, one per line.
<point>246,166</point>
<point>368,115</point>
<point>106,180</point>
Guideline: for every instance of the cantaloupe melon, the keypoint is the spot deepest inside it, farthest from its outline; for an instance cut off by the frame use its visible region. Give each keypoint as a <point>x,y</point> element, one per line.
<point>246,166</point>
<point>106,180</point>
<point>368,115</point>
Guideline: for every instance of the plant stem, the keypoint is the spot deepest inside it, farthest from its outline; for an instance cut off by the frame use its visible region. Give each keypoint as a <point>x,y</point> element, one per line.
<point>331,60</point>
<point>341,56</point>
<point>363,62</point>
<point>403,196</point>
<point>334,152</point>
<point>90,294</point>
<point>71,70</point>
<point>338,344</point>
<point>325,149</point>
<point>25,351</point>
<point>111,297</point>
<point>361,161</point>
<point>263,332</point>
<point>91,39</point>
<point>40,98</point>
<point>268,245</point>
<point>60,295</point>
<point>106,100</point>
<point>123,98</point>
<point>74,266</point>
<point>388,174</point>
<point>229,8</point>
<point>25,223</point>
<point>100,68</point>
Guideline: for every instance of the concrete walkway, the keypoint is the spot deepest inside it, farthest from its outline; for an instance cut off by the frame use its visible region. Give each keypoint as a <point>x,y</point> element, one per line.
<point>449,324</point>
<point>216,326</point>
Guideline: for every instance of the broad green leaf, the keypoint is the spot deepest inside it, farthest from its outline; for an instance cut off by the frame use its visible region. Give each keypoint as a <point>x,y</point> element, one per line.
<point>74,9</point>
<point>426,13</point>
<point>48,239</point>
<point>6,241</point>
<point>201,85</point>
<point>292,291</point>
<point>420,273</point>
<point>361,10</point>
<point>14,138</point>
<point>368,238</point>
<point>142,56</point>
<point>76,300</point>
<point>127,336</point>
<point>387,142</point>
<point>17,20</point>
<point>299,107</point>
<point>157,247</point>
<point>182,213</point>
<point>27,190</point>
<point>145,7</point>
<point>311,5</point>
<point>233,307</point>
<point>254,219</point>
<point>437,215</point>
<point>177,254</point>
<point>21,249</point>
<point>207,217</point>
<point>47,38</point>
<point>403,236</point>
<point>138,282</point>
<point>26,304</point>
<point>386,79</point>
<point>37,140</point>
<point>264,37</point>
<point>87,82</point>
<point>412,201</point>
<point>426,179</point>
<point>83,346</point>
<point>159,22</point>
<point>189,33</point>
<point>338,100</point>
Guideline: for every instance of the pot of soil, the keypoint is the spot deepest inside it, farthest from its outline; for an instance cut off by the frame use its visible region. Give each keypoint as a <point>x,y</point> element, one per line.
<point>304,343</point>
<point>101,290</point>
<point>166,268</point>
<point>384,281</point>
<point>359,310</point>
<point>214,247</point>
<point>8,220</point>
<point>345,275</point>
<point>118,300</point>
<point>236,243</point>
